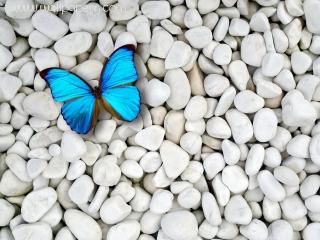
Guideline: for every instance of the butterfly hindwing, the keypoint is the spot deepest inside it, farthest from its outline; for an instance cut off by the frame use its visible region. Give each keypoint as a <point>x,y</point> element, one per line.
<point>124,100</point>
<point>80,107</point>
<point>81,113</point>
<point>115,77</point>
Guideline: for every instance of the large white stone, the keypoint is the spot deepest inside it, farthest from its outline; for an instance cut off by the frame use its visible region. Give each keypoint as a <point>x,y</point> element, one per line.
<point>296,111</point>
<point>90,18</point>
<point>180,88</point>
<point>37,203</point>
<point>175,159</point>
<point>82,226</point>
<point>237,211</point>
<point>49,24</point>
<point>19,9</point>
<point>156,10</point>
<point>41,105</point>
<point>72,146</point>
<point>178,55</point>
<point>253,49</point>
<point>126,230</point>
<point>73,44</point>
<point>34,231</point>
<point>106,172</point>
<point>114,210</point>
<point>188,226</point>
<point>9,86</point>
<point>150,138</point>
<point>312,10</point>
<point>7,212</point>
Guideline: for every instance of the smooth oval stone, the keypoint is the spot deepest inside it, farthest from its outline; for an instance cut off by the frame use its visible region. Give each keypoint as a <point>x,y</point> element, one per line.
<point>49,24</point>
<point>34,231</point>
<point>41,105</point>
<point>188,226</point>
<point>12,186</point>
<point>82,226</point>
<point>90,18</point>
<point>180,88</point>
<point>7,35</point>
<point>73,44</point>
<point>9,86</point>
<point>37,203</point>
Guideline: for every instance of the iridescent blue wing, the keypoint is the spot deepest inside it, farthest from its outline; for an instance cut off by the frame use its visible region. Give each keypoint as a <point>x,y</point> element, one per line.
<point>121,100</point>
<point>81,113</point>
<point>120,69</point>
<point>80,109</point>
<point>124,102</point>
<point>65,85</point>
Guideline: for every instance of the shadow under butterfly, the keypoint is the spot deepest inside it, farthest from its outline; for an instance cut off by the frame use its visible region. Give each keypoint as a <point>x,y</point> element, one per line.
<point>114,92</point>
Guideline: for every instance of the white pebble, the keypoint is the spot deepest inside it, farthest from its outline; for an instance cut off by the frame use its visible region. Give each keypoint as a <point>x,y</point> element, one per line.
<point>311,9</point>
<point>49,24</point>
<point>106,172</point>
<point>196,108</point>
<point>237,211</point>
<point>199,37</point>
<point>161,201</point>
<point>9,86</point>
<point>213,164</point>
<point>211,209</point>
<point>231,152</point>
<point>293,207</point>
<point>241,126</point>
<point>71,140</point>
<point>175,159</point>
<point>248,102</point>
<point>178,55</point>
<point>311,232</point>
<point>271,188</point>
<point>191,142</point>
<point>239,74</point>
<point>81,189</point>
<point>218,127</point>
<point>235,179</point>
<point>89,18</point>
<point>296,111</point>
<point>37,203</point>
<point>73,44</point>
<point>126,230</point>
<point>150,138</point>
<point>180,88</point>
<point>256,229</point>
<point>189,198</point>
<point>253,49</point>
<point>131,169</point>
<point>39,230</point>
<point>272,64</point>
<point>114,210</point>
<point>188,226</point>
<point>280,229</point>
<point>215,85</point>
<point>265,125</point>
<point>156,10</point>
<point>82,226</point>
<point>7,211</point>
<point>254,159</point>
<point>156,92</point>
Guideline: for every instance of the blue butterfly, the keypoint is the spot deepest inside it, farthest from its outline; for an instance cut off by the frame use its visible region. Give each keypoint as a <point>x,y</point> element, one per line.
<point>82,102</point>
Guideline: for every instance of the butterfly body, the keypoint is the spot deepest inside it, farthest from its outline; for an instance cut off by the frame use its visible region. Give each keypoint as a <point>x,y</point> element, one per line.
<point>114,93</point>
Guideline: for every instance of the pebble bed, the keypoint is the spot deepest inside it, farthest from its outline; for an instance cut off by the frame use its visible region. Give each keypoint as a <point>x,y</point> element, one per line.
<point>227,145</point>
